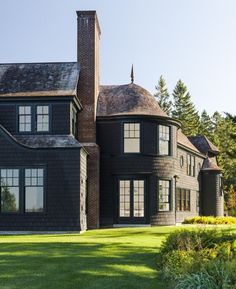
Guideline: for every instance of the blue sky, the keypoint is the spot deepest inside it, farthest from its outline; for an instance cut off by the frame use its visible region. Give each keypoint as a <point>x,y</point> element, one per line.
<point>194,40</point>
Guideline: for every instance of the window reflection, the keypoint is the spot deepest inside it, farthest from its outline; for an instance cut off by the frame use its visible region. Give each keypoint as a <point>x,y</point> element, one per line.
<point>131,137</point>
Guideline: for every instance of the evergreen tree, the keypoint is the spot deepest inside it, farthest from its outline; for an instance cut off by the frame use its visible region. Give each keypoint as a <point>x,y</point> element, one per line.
<point>206,126</point>
<point>163,96</point>
<point>223,138</point>
<point>230,197</point>
<point>184,110</point>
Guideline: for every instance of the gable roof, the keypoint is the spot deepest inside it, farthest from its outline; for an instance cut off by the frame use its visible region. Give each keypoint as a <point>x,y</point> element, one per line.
<point>184,141</point>
<point>128,99</point>
<point>39,79</point>
<point>204,145</point>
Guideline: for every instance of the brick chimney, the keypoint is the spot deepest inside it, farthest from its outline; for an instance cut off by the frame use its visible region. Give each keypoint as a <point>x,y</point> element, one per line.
<point>88,57</point>
<point>88,89</point>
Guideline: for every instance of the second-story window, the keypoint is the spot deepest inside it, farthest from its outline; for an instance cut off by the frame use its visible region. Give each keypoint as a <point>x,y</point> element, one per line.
<point>164,140</point>
<point>25,116</point>
<point>131,138</point>
<point>42,118</point>
<point>191,165</point>
<point>74,122</point>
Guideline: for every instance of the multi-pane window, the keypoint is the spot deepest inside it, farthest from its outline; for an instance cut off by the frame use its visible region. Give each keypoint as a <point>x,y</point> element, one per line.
<point>183,199</point>
<point>25,118</point>
<point>9,190</point>
<point>164,140</point>
<point>131,137</point>
<point>138,198</point>
<point>191,165</point>
<point>42,118</point>
<point>124,198</point>
<point>164,195</point>
<point>34,187</point>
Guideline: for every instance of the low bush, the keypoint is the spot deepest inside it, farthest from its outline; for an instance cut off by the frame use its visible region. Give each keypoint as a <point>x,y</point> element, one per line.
<point>211,220</point>
<point>198,257</point>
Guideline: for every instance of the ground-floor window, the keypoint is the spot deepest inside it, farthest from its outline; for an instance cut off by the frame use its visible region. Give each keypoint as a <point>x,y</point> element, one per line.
<point>22,190</point>
<point>164,195</point>
<point>183,199</point>
<point>131,198</point>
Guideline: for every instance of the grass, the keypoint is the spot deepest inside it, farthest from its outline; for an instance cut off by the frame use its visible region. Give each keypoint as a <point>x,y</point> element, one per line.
<point>100,259</point>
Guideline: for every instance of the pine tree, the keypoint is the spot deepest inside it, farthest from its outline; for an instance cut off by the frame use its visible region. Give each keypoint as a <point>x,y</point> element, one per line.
<point>231,198</point>
<point>184,110</point>
<point>206,126</point>
<point>163,96</point>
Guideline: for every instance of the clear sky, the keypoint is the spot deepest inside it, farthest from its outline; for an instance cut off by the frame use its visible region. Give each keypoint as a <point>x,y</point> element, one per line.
<point>194,40</point>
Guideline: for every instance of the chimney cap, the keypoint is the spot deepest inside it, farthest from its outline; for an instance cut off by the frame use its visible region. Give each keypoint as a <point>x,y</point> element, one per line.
<point>89,13</point>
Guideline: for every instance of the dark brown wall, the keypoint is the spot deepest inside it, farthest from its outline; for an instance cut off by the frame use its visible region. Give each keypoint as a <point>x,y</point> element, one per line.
<point>60,116</point>
<point>62,195</point>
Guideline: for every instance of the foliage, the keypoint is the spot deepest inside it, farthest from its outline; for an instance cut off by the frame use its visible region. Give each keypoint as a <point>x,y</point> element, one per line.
<point>206,126</point>
<point>214,276</point>
<point>8,200</point>
<point>230,198</point>
<point>184,110</point>
<point>163,96</point>
<point>209,220</point>
<point>199,259</point>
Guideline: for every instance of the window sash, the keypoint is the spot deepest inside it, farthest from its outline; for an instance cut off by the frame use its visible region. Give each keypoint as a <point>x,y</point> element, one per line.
<point>25,118</point>
<point>42,118</point>
<point>164,195</point>
<point>9,190</point>
<point>131,137</point>
<point>164,140</point>
<point>183,199</point>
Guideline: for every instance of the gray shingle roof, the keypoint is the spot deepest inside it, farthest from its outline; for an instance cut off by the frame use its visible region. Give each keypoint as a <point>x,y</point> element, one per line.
<point>48,141</point>
<point>183,140</point>
<point>210,164</point>
<point>203,144</point>
<point>39,79</point>
<point>129,99</point>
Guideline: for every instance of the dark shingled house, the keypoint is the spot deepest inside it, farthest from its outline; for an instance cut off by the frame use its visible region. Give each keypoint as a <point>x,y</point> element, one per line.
<point>77,155</point>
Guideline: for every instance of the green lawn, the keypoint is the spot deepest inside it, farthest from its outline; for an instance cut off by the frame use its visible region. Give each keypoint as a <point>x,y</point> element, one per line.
<point>99,259</point>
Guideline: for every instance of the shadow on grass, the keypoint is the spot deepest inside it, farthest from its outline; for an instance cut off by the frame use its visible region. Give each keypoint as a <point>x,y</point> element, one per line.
<point>77,266</point>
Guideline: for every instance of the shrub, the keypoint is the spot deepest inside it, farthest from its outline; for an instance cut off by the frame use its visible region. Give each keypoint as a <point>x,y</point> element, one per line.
<point>211,220</point>
<point>186,253</point>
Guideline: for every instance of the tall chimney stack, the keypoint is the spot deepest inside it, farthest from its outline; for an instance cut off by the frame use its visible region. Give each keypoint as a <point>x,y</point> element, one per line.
<point>88,57</point>
<point>88,89</point>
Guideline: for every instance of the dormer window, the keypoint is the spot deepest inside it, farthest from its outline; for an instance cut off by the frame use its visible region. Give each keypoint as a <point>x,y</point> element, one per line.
<point>25,116</point>
<point>131,138</point>
<point>164,140</point>
<point>42,118</point>
<point>33,118</point>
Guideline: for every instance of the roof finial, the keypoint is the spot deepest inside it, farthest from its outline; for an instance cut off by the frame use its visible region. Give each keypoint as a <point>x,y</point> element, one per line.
<point>132,74</point>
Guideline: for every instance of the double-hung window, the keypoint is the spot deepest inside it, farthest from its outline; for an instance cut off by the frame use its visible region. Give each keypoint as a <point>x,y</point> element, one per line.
<point>191,165</point>
<point>25,118</point>
<point>164,140</point>
<point>33,118</point>
<point>42,118</point>
<point>131,138</point>
<point>164,195</point>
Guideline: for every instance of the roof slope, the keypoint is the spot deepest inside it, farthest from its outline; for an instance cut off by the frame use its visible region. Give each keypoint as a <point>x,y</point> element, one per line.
<point>203,144</point>
<point>210,164</point>
<point>183,140</point>
<point>39,79</point>
<point>129,99</point>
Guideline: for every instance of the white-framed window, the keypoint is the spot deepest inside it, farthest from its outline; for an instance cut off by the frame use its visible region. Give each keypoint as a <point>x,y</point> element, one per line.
<point>25,118</point>
<point>164,140</point>
<point>164,188</point>
<point>132,137</point>
<point>9,189</point>
<point>42,118</point>
<point>34,190</point>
